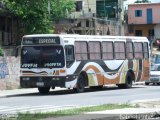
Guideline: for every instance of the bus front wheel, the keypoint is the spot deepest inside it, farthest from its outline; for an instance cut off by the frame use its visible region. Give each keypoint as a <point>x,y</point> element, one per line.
<point>43,90</point>
<point>80,84</point>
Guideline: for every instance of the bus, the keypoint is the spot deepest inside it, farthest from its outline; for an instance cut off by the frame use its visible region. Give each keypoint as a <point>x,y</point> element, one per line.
<point>80,61</point>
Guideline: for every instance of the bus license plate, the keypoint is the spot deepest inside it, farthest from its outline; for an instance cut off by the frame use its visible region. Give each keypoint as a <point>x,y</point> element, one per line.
<point>40,84</point>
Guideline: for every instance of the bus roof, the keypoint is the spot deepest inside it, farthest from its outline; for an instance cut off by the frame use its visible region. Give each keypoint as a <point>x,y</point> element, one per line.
<point>85,36</point>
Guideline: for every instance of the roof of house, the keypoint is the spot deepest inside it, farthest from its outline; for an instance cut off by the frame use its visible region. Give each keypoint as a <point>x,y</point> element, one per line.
<point>136,4</point>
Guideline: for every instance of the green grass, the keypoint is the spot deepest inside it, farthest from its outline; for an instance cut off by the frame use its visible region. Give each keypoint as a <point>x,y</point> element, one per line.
<point>69,112</point>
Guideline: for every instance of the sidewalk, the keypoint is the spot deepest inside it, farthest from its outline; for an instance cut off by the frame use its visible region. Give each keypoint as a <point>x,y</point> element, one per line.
<point>145,109</point>
<point>6,93</point>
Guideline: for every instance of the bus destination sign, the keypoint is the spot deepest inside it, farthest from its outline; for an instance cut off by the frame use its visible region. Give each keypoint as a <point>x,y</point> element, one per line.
<point>41,40</point>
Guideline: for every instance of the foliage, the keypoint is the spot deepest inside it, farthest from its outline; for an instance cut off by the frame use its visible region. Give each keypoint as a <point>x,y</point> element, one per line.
<point>69,112</point>
<point>1,52</point>
<point>142,1</point>
<point>35,14</point>
<point>61,8</point>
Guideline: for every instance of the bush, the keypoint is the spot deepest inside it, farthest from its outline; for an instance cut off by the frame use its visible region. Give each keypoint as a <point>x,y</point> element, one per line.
<point>1,52</point>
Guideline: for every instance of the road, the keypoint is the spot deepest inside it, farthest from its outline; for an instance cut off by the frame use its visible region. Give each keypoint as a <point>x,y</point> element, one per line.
<point>68,99</point>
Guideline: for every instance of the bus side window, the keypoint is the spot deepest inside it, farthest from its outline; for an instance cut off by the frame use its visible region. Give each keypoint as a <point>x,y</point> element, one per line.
<point>138,50</point>
<point>129,50</point>
<point>119,50</point>
<point>145,50</point>
<point>69,50</point>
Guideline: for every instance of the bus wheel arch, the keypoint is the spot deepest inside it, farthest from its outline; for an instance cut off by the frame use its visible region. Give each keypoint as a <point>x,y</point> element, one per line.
<point>82,81</point>
<point>130,78</point>
<point>131,73</point>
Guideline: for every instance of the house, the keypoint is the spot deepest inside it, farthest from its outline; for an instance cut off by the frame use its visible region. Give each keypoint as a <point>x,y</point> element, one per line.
<point>104,17</point>
<point>144,20</point>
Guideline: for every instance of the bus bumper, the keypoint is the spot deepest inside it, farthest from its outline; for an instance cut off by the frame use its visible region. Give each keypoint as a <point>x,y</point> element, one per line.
<point>31,82</point>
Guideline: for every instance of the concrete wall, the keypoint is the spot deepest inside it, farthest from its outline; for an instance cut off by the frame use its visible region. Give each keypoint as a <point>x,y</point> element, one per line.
<point>157,31</point>
<point>85,7</point>
<point>9,72</point>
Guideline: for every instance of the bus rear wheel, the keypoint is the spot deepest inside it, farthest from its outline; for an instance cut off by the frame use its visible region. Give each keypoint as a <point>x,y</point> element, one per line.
<point>43,90</point>
<point>80,84</point>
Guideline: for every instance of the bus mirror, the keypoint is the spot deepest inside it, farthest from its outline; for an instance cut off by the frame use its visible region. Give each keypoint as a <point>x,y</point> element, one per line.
<point>17,51</point>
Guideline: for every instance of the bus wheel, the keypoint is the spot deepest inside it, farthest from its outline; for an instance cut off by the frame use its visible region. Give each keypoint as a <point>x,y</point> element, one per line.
<point>80,84</point>
<point>146,83</point>
<point>129,81</point>
<point>43,90</point>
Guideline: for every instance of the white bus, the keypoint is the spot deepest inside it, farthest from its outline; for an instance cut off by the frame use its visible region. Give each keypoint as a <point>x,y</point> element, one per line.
<point>79,61</point>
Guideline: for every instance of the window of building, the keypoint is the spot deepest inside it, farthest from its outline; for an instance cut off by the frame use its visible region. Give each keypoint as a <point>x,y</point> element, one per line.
<point>119,49</point>
<point>129,50</point>
<point>78,5</point>
<point>138,50</point>
<point>81,51</point>
<point>138,13</point>
<point>107,50</point>
<point>138,33</point>
<point>94,50</point>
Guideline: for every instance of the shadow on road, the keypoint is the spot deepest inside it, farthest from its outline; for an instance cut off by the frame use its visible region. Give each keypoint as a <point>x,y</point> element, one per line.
<point>70,91</point>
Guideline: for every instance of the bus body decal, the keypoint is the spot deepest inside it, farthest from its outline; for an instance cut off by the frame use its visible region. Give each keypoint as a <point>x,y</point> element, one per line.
<point>100,62</point>
<point>139,71</point>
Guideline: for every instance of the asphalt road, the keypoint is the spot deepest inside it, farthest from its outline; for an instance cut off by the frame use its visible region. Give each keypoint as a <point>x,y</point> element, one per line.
<point>68,99</point>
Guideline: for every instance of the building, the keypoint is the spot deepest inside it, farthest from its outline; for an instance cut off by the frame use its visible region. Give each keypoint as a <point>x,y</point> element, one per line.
<point>104,17</point>
<point>144,20</point>
<point>10,30</point>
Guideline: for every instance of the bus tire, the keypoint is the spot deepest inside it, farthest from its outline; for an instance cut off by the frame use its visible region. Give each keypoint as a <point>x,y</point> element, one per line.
<point>146,83</point>
<point>80,84</point>
<point>128,83</point>
<point>43,90</point>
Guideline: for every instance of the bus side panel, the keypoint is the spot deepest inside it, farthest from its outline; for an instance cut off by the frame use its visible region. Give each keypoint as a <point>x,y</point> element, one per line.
<point>112,80</point>
<point>116,75</point>
<point>95,76</point>
<point>145,74</point>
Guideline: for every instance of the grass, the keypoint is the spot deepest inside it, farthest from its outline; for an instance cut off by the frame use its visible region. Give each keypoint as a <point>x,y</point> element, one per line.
<point>69,112</point>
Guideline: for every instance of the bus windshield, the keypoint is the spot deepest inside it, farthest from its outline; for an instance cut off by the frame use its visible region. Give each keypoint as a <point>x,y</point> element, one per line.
<point>42,57</point>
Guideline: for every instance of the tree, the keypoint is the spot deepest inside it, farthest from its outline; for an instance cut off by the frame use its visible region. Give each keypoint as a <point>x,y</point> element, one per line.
<point>60,8</point>
<point>35,14</point>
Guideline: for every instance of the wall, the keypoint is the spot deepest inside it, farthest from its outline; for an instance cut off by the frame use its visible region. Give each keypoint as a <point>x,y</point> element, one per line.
<point>144,28</point>
<point>9,72</point>
<point>157,31</point>
<point>86,5</point>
